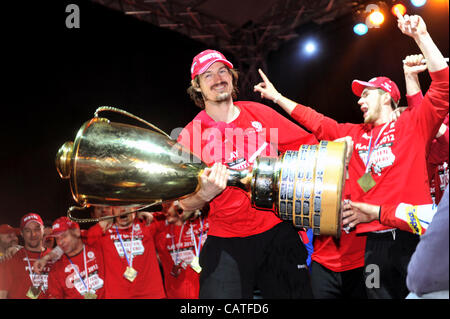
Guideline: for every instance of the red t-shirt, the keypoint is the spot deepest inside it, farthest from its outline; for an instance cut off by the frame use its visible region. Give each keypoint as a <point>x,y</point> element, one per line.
<point>341,254</point>
<point>398,183</point>
<point>174,246</point>
<point>148,282</point>
<point>16,278</point>
<point>398,164</point>
<point>258,130</point>
<point>64,280</point>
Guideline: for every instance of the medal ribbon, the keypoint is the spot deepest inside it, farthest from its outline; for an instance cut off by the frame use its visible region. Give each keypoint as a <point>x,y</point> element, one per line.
<point>129,259</point>
<point>197,248</point>
<point>31,273</point>
<point>178,245</point>
<point>374,146</point>
<point>85,270</point>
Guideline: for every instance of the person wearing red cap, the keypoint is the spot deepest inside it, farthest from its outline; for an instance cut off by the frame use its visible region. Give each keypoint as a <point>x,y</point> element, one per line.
<point>246,247</point>
<point>9,243</point>
<point>388,165</point>
<point>130,263</point>
<point>18,279</point>
<point>79,272</point>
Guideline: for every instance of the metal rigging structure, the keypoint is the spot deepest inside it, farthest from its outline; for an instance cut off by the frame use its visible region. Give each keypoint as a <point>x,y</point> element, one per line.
<point>246,29</point>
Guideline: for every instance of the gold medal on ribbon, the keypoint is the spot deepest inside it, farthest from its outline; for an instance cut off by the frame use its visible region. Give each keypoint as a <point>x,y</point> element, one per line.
<point>33,292</point>
<point>366,182</point>
<point>196,265</point>
<point>130,274</point>
<point>90,295</point>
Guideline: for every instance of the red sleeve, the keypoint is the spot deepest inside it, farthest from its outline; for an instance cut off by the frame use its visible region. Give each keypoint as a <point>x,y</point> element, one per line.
<point>387,218</point>
<point>414,100</point>
<point>93,235</point>
<point>438,92</point>
<point>324,128</point>
<point>290,135</point>
<point>429,115</point>
<point>156,225</point>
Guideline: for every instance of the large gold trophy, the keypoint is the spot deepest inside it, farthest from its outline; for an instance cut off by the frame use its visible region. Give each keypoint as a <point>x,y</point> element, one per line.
<point>116,164</point>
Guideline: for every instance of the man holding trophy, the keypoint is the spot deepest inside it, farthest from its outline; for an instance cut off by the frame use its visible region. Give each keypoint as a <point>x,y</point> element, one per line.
<point>246,247</point>
<point>232,165</point>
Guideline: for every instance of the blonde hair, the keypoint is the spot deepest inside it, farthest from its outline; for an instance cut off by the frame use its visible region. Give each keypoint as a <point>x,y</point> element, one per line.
<point>394,104</point>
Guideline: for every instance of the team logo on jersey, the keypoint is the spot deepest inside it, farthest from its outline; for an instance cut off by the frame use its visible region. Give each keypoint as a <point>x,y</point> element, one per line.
<point>257,125</point>
<point>90,254</point>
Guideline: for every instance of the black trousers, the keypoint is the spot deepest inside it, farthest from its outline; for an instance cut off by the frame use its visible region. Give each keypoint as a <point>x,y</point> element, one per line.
<point>273,261</point>
<point>386,262</point>
<point>328,284</point>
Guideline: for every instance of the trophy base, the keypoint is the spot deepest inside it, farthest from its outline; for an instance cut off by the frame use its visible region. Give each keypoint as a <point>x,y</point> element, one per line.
<point>304,186</point>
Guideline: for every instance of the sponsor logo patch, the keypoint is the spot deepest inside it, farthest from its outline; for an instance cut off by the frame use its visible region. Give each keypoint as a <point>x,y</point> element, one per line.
<point>412,220</point>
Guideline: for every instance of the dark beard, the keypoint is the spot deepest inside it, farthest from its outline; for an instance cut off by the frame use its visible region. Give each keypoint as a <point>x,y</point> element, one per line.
<point>221,97</point>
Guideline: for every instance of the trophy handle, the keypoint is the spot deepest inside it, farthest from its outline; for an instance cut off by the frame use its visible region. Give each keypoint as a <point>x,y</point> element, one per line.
<point>80,220</point>
<point>123,112</point>
<point>96,220</point>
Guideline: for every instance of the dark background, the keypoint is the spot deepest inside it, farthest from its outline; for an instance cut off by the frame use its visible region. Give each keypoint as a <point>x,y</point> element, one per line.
<point>54,78</point>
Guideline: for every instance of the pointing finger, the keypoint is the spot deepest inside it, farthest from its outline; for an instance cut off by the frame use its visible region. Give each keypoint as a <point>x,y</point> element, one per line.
<point>398,14</point>
<point>263,76</point>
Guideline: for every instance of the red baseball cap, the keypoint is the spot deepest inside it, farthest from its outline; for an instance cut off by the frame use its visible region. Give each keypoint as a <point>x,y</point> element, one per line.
<point>205,59</point>
<point>62,224</point>
<point>6,229</point>
<point>31,217</point>
<point>380,82</point>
